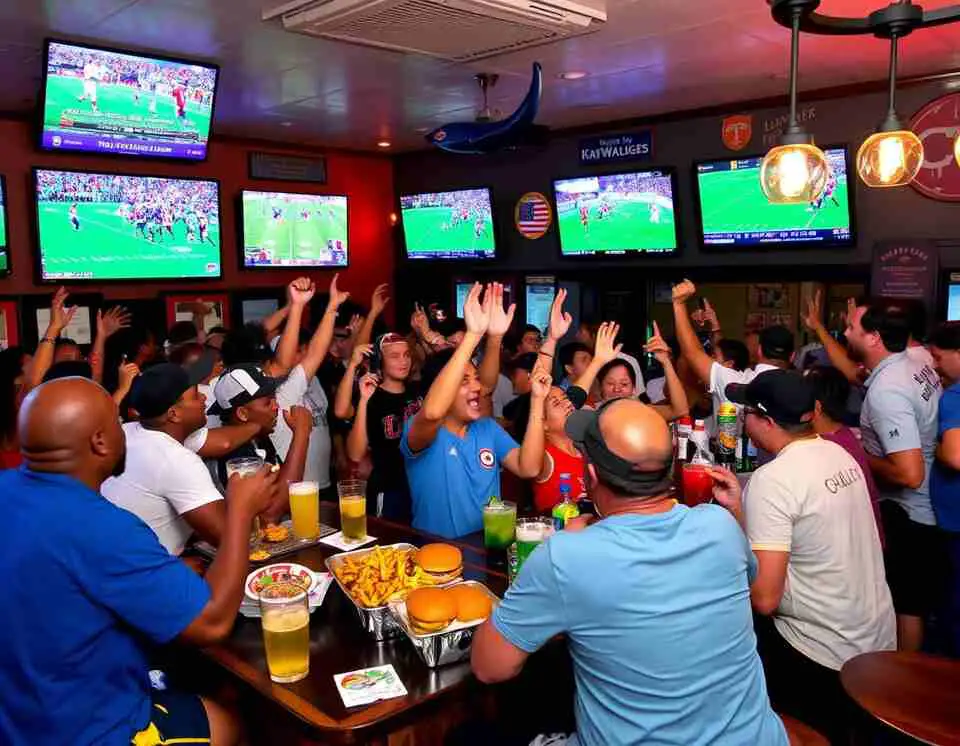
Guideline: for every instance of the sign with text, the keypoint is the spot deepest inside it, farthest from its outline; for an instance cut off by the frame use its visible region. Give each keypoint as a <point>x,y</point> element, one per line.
<point>633,146</point>
<point>774,126</point>
<point>905,269</point>
<point>288,168</point>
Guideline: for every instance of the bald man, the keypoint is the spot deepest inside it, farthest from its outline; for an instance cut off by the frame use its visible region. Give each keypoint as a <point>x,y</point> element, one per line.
<point>654,598</point>
<point>87,583</point>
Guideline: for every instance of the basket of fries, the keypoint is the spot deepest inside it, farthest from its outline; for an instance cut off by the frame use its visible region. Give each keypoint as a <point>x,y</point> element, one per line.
<point>374,576</point>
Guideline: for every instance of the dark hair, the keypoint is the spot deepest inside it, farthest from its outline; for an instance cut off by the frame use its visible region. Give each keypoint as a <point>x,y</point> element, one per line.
<point>917,311</point>
<point>218,330</point>
<point>182,353</point>
<point>736,352</point>
<point>432,367</point>
<point>796,428</point>
<point>248,344</point>
<point>569,351</point>
<point>832,389</point>
<point>531,328</point>
<point>182,332</point>
<point>65,342</point>
<point>11,367</point>
<point>947,336</point>
<point>617,362</point>
<point>452,326</point>
<point>891,320</point>
<point>69,369</point>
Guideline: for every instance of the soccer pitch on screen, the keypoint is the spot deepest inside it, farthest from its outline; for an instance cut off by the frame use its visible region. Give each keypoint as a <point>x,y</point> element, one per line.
<point>107,246</point>
<point>299,229</point>
<point>733,202</point>
<point>640,222</point>
<point>437,231</point>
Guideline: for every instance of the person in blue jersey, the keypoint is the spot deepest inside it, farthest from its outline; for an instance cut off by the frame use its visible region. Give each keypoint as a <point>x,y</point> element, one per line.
<point>454,454</point>
<point>88,586</point>
<point>654,599</point>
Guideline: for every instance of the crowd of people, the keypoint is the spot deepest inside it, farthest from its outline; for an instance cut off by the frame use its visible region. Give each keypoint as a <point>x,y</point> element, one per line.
<point>686,624</point>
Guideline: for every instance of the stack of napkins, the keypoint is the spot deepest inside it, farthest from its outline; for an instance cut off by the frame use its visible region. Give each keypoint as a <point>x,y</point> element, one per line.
<point>337,540</point>
<point>252,609</point>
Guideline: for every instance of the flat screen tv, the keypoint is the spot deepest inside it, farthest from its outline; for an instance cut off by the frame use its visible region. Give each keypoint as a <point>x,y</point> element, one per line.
<point>4,251</point>
<point>734,212</point>
<point>109,101</point>
<point>95,226</point>
<point>448,225</point>
<point>539,297</point>
<point>953,302</point>
<point>626,213</point>
<point>294,230</point>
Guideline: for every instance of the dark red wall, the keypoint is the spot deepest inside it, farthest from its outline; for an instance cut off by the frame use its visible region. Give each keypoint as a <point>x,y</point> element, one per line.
<point>366,179</point>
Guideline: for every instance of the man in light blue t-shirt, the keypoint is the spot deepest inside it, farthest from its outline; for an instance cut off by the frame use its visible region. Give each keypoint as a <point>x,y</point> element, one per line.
<point>453,454</point>
<point>654,599</point>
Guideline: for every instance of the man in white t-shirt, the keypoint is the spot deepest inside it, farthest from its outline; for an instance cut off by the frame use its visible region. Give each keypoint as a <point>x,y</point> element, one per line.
<point>810,522</point>
<point>165,482</point>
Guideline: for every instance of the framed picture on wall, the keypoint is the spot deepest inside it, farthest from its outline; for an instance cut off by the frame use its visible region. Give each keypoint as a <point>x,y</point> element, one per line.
<point>35,315</point>
<point>253,306</point>
<point>214,308</point>
<point>9,323</point>
<point>769,297</point>
<point>781,319</point>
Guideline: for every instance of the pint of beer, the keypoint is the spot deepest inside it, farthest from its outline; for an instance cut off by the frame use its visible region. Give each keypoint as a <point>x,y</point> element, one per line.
<point>285,618</point>
<point>353,509</point>
<point>305,509</point>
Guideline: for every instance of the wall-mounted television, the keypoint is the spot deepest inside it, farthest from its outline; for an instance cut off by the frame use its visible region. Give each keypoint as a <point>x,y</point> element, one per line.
<point>734,212</point>
<point>4,244</point>
<point>294,230</point>
<point>449,225</point>
<point>624,213</point>
<point>539,300</point>
<point>96,226</point>
<point>109,101</point>
<point>953,302</point>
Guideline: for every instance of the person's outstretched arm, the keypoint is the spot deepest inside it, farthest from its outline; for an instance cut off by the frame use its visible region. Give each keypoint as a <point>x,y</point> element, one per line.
<point>299,293</point>
<point>605,350</point>
<point>320,342</point>
<point>690,346</point>
<point>500,321</point>
<point>677,405</point>
<point>839,358</point>
<point>378,301</point>
<point>60,317</point>
<point>527,460</point>
<point>108,324</point>
<point>343,407</point>
<point>358,441</point>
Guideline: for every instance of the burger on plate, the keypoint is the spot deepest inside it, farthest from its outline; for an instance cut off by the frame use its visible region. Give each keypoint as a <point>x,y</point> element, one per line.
<point>430,610</point>
<point>441,563</point>
<point>472,602</point>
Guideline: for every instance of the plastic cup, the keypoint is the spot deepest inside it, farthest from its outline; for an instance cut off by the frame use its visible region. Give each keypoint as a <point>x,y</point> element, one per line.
<point>697,484</point>
<point>305,509</point>
<point>499,524</point>
<point>285,620</point>
<point>353,509</point>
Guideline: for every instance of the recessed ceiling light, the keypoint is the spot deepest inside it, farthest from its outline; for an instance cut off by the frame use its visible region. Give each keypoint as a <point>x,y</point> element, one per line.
<point>286,124</point>
<point>573,75</point>
<point>383,144</point>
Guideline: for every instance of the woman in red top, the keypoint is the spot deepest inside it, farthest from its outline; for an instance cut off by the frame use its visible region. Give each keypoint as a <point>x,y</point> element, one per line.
<point>560,455</point>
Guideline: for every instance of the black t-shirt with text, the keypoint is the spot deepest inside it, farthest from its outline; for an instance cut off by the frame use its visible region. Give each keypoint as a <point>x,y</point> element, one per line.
<point>387,413</point>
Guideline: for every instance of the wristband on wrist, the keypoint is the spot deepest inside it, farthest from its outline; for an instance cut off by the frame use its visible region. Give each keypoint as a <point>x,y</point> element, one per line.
<point>49,340</point>
<point>545,354</point>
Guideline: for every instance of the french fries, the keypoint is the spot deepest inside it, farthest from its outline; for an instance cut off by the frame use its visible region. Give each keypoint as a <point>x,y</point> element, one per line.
<point>379,576</point>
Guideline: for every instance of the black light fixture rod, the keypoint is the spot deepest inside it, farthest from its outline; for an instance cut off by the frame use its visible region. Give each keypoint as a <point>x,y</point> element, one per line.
<point>794,67</point>
<point>891,100</point>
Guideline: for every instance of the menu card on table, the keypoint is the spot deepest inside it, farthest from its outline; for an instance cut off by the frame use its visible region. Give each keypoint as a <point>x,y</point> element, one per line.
<point>369,685</point>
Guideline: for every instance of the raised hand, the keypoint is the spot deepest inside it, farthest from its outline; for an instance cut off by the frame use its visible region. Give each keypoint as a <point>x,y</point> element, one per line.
<point>500,318</point>
<point>726,489</point>
<point>127,373</point>
<point>560,320</point>
<point>337,297</point>
<point>684,291</point>
<point>356,321</point>
<point>368,386</point>
<point>419,321</point>
<point>301,291</point>
<point>606,348</point>
<point>379,299</point>
<point>812,318</point>
<point>475,316</point>
<point>540,382</point>
<point>298,419</point>
<point>657,346</point>
<point>112,321</point>
<point>359,353</point>
<point>252,494</point>
<point>710,319</point>
<point>60,313</point>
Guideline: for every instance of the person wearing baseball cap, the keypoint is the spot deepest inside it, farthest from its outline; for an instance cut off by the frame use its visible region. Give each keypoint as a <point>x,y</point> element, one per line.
<point>654,597</point>
<point>820,589</point>
<point>165,482</point>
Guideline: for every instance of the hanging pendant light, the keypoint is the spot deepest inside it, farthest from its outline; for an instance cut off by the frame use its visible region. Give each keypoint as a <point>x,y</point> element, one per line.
<point>795,171</point>
<point>892,155</point>
<point>956,147</point>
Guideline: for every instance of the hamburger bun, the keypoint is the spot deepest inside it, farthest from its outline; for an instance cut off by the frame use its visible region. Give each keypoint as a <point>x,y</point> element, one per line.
<point>430,610</point>
<point>472,602</point>
<point>441,563</point>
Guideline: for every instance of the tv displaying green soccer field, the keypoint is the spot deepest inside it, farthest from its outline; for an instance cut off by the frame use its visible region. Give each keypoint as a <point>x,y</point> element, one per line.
<point>110,101</point>
<point>4,261</point>
<point>294,230</point>
<point>735,212</point>
<point>617,214</point>
<point>448,225</point>
<point>95,226</point>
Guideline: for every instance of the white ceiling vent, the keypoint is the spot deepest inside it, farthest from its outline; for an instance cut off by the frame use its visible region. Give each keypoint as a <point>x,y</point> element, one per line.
<point>456,30</point>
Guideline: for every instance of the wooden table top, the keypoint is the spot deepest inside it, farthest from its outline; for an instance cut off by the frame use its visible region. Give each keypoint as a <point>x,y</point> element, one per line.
<point>339,644</point>
<point>914,693</point>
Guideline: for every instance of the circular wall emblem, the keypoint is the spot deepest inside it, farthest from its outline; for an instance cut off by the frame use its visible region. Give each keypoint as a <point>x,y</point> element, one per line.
<point>487,459</point>
<point>533,215</point>
<point>937,125</point>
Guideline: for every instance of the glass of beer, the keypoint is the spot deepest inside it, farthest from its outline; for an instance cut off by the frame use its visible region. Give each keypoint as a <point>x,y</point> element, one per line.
<point>531,533</point>
<point>353,509</point>
<point>285,618</point>
<point>246,467</point>
<point>305,509</point>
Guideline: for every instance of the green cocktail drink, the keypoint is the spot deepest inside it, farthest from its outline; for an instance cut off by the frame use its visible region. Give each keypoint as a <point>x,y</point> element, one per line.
<point>499,524</point>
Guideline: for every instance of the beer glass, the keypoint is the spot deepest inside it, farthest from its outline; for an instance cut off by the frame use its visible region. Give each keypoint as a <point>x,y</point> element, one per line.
<point>246,467</point>
<point>531,533</point>
<point>305,509</point>
<point>353,509</point>
<point>285,619</point>
<point>499,524</point>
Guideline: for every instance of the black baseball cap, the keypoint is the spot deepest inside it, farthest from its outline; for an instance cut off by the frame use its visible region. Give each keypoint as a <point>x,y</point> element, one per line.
<point>241,385</point>
<point>776,342</point>
<point>785,396</point>
<point>160,387</point>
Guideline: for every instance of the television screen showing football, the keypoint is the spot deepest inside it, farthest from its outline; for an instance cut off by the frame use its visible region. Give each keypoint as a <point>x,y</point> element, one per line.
<point>294,230</point>
<point>735,212</point>
<point>117,102</point>
<point>4,261</point>
<point>96,226</point>
<point>616,214</point>
<point>448,225</point>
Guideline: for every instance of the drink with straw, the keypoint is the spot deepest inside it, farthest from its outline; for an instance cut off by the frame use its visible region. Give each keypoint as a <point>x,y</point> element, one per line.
<point>531,533</point>
<point>499,523</point>
<point>353,509</point>
<point>247,467</point>
<point>285,619</point>
<point>305,509</point>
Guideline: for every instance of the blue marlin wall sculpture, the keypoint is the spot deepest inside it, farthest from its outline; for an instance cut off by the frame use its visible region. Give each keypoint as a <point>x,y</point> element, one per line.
<point>475,138</point>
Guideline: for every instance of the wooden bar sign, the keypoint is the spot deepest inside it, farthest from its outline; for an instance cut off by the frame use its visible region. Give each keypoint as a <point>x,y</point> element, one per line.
<point>288,168</point>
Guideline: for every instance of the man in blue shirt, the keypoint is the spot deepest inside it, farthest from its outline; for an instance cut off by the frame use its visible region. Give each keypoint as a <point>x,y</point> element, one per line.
<point>945,478</point>
<point>87,582</point>
<point>654,599</point>
<point>453,454</point>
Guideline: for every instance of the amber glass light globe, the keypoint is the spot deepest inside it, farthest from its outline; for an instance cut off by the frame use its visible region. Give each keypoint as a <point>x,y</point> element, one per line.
<point>889,159</point>
<point>956,148</point>
<point>793,174</point>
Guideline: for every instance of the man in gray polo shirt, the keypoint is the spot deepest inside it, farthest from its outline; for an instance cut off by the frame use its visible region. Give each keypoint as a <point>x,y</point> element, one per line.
<point>899,426</point>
